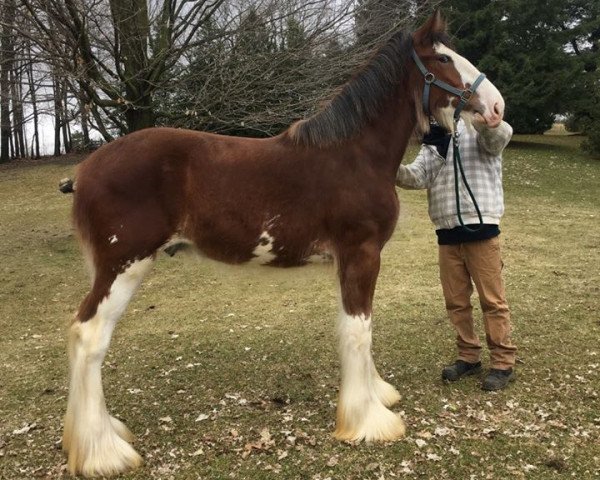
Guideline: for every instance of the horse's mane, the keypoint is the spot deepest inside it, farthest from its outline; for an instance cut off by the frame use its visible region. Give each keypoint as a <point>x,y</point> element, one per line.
<point>360,100</point>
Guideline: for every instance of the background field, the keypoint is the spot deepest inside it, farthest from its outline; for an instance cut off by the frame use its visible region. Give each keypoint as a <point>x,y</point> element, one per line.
<point>232,373</point>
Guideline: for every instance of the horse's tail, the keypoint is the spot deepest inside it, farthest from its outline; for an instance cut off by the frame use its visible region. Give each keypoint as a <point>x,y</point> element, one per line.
<point>66,185</point>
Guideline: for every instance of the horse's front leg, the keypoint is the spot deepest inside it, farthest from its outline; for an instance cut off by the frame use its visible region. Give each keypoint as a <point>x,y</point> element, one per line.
<point>361,412</point>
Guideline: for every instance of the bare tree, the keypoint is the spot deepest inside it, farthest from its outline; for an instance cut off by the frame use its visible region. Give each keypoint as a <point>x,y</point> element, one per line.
<point>232,66</point>
<point>118,50</point>
<point>282,60</point>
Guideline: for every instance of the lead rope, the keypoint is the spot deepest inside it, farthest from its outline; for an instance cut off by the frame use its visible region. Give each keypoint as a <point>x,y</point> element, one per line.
<point>458,166</point>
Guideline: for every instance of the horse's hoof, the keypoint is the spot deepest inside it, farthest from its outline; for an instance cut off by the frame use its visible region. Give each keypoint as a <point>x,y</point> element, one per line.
<point>376,424</point>
<point>101,454</point>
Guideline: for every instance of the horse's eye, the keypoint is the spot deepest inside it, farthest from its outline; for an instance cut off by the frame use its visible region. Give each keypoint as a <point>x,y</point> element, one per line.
<point>444,58</point>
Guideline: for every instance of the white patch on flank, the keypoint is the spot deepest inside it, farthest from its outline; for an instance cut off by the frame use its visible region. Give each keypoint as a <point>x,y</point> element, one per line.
<point>263,252</point>
<point>113,239</point>
<point>487,92</point>
<point>362,412</point>
<point>96,442</point>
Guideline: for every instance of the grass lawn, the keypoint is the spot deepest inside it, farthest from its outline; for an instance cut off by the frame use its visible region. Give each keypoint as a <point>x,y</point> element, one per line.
<point>233,373</point>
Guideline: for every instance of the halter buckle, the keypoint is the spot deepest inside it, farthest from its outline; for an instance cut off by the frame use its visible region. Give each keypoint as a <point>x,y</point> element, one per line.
<point>429,77</point>
<point>466,95</point>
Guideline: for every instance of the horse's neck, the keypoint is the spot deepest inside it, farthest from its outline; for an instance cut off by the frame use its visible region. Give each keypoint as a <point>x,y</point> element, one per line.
<point>387,138</point>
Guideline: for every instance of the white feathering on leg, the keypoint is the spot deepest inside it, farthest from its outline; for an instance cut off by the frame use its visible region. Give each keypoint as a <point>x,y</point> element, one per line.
<point>362,414</point>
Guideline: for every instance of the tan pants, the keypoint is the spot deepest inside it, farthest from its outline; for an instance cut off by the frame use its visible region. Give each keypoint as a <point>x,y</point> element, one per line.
<point>480,262</point>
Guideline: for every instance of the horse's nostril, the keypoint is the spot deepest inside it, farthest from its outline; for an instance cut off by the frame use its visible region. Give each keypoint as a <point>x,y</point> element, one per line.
<point>497,109</point>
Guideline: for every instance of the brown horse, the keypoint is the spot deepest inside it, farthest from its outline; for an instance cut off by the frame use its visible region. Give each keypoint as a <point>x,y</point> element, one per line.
<point>324,187</point>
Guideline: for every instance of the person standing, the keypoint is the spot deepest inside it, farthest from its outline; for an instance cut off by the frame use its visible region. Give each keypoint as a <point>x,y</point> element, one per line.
<point>469,255</point>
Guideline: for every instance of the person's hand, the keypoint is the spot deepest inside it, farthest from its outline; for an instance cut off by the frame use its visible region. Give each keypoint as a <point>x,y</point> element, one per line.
<point>438,137</point>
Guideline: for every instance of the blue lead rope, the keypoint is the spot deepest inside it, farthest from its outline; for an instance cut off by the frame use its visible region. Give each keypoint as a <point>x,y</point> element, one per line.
<point>459,166</point>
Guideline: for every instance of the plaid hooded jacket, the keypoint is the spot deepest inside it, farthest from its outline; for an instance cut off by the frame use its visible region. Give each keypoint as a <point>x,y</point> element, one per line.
<point>481,153</point>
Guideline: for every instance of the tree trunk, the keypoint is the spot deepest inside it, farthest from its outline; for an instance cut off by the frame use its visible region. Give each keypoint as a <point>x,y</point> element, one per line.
<point>69,141</point>
<point>35,148</point>
<point>57,116</point>
<point>66,127</point>
<point>84,115</point>
<point>140,116</point>
<point>6,62</point>
<point>17,110</point>
<point>15,141</point>
<point>131,20</point>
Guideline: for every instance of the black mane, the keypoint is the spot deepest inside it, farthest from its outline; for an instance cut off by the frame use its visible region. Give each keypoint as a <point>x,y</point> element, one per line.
<point>361,99</point>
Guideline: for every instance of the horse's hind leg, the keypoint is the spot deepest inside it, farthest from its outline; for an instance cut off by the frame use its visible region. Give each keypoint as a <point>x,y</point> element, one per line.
<point>361,412</point>
<point>97,444</point>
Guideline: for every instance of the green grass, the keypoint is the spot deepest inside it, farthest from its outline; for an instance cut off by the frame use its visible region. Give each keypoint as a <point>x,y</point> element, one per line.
<point>254,349</point>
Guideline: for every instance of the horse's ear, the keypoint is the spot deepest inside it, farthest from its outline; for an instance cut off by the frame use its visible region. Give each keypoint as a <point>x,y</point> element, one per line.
<point>430,30</point>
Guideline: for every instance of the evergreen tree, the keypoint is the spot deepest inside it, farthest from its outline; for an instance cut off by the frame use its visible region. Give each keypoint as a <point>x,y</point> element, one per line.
<point>294,35</point>
<point>582,24</point>
<point>254,37</point>
<point>519,44</point>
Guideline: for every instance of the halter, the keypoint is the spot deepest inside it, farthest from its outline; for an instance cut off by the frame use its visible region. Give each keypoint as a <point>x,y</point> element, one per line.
<point>464,96</point>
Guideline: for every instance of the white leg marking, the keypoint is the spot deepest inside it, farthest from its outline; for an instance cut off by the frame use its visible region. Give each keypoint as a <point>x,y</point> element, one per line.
<point>96,442</point>
<point>361,413</point>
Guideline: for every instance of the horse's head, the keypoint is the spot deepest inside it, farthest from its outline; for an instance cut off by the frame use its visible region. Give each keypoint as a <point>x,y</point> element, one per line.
<point>443,65</point>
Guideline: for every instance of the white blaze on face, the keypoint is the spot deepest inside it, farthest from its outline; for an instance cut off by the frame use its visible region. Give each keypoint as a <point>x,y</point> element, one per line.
<point>489,96</point>
<point>263,252</point>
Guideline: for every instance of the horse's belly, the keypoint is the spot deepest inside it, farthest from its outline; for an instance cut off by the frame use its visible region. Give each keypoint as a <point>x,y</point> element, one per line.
<point>240,246</point>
